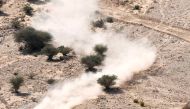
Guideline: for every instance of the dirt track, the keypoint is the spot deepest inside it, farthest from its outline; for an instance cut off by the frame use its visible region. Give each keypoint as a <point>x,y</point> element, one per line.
<point>164,86</point>
<point>157,25</point>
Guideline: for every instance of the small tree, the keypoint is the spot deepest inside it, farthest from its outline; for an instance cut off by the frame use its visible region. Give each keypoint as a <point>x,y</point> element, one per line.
<point>16,82</point>
<point>92,61</point>
<point>34,40</point>
<point>28,10</point>
<point>50,51</point>
<point>107,81</point>
<point>100,49</point>
<point>64,50</point>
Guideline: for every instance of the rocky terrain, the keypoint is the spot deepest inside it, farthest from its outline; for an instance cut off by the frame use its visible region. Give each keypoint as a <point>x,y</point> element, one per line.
<point>166,85</point>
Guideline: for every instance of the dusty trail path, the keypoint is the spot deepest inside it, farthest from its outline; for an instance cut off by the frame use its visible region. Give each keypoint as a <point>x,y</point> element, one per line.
<point>157,25</point>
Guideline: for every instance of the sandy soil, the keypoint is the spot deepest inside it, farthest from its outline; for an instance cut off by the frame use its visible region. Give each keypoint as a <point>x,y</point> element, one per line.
<point>165,85</point>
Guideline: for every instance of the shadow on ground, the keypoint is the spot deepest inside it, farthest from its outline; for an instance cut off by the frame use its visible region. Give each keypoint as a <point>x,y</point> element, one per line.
<point>3,13</point>
<point>115,90</point>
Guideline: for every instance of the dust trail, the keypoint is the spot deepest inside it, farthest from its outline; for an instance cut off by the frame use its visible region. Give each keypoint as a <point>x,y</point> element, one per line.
<point>68,21</point>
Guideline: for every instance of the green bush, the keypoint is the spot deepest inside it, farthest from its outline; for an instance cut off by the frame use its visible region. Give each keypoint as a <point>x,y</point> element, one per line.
<point>64,50</point>
<point>100,49</point>
<point>16,82</point>
<point>28,10</point>
<point>98,23</point>
<point>91,61</point>
<point>50,51</point>
<point>34,40</point>
<point>107,81</point>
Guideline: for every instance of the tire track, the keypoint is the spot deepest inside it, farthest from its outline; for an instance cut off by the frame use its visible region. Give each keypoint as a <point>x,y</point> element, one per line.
<point>154,24</point>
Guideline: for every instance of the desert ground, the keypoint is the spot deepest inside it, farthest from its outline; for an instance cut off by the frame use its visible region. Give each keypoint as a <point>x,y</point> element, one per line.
<point>166,85</point>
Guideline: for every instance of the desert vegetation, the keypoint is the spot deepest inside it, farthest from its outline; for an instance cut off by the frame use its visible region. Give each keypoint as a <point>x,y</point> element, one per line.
<point>100,49</point>
<point>39,42</point>
<point>33,40</point>
<point>15,23</point>
<point>16,82</point>
<point>136,7</point>
<point>64,50</point>
<point>107,81</point>
<point>28,9</point>
<point>50,51</point>
<point>130,17</point>
<point>51,81</point>
<point>91,61</point>
<point>96,59</point>
<point>110,19</point>
<point>140,102</point>
<point>98,23</point>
